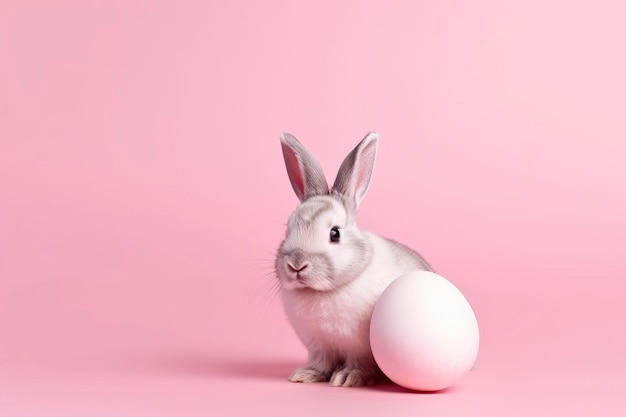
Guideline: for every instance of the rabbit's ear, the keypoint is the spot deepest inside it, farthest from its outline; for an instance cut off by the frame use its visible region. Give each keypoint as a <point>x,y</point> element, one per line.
<point>305,173</point>
<point>356,170</point>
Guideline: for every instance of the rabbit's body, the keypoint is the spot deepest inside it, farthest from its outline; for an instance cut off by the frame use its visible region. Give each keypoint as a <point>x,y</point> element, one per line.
<point>338,321</point>
<point>331,272</point>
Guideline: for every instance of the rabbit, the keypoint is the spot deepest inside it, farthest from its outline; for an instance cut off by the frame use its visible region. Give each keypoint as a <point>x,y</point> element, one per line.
<point>331,273</point>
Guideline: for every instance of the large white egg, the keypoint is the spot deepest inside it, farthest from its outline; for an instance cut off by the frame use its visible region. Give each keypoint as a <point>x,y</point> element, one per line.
<point>424,334</point>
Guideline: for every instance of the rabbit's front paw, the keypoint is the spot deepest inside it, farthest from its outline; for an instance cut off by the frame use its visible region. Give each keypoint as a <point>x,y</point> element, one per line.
<point>351,377</point>
<point>308,375</point>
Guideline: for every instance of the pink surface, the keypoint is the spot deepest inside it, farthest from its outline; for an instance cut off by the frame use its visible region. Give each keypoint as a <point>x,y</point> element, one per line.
<point>142,193</point>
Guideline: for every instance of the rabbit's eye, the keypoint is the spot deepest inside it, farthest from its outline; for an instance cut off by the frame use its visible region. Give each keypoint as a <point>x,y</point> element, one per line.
<point>334,234</point>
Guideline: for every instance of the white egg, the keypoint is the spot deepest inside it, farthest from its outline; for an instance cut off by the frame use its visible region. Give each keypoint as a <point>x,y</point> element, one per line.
<point>424,334</point>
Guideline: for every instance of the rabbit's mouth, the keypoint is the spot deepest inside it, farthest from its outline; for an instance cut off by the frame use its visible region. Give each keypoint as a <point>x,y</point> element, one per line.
<point>297,280</point>
<point>301,282</point>
<point>299,270</point>
<point>303,278</point>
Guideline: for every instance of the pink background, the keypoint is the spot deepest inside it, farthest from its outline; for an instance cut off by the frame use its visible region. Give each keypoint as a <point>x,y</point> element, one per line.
<point>143,192</point>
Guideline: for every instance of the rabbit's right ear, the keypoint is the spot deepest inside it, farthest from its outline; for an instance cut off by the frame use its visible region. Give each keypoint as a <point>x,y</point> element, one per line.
<point>355,172</point>
<point>305,173</point>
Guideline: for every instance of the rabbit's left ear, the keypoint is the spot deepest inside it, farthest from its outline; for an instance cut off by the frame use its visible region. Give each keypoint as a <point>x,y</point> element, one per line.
<point>355,172</point>
<point>305,173</point>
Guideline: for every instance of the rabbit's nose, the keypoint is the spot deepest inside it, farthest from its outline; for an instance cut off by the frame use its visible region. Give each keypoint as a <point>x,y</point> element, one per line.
<point>297,268</point>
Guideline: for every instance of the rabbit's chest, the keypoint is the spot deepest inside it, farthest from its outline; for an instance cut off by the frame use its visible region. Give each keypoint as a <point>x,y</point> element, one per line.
<point>332,321</point>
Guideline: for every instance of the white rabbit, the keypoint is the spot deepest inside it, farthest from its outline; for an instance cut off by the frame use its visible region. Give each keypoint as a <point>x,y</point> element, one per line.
<point>331,272</point>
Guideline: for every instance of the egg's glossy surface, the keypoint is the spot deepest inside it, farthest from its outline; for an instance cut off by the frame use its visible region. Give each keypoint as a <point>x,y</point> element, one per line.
<point>424,334</point>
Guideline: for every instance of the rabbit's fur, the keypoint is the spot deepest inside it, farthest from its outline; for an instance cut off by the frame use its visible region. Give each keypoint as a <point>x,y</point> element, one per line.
<point>331,279</point>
